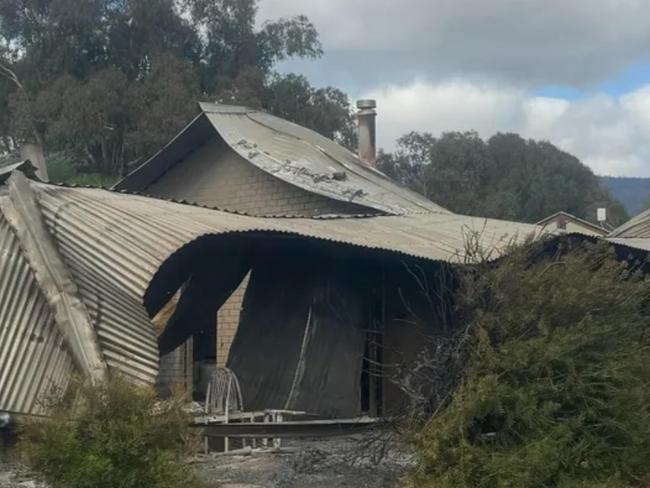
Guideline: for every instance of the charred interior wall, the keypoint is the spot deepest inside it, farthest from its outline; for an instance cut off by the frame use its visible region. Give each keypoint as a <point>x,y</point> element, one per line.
<point>419,309</point>
<point>312,318</point>
<point>185,297</point>
<point>300,341</point>
<point>310,312</point>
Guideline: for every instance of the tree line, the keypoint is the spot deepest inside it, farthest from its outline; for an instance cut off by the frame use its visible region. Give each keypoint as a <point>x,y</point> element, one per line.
<point>110,81</point>
<point>505,176</point>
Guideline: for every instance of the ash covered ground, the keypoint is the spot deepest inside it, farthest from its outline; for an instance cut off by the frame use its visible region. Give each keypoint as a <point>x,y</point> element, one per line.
<point>16,476</point>
<point>368,460</point>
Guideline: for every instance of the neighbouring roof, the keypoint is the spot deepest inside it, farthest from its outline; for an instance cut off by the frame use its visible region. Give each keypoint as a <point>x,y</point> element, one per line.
<point>634,233</point>
<point>579,225</point>
<point>294,154</point>
<point>111,247</point>
<point>636,227</point>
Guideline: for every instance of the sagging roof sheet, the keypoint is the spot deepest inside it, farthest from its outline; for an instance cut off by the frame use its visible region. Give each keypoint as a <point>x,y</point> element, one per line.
<point>113,244</point>
<point>111,275</point>
<point>295,154</point>
<point>304,158</point>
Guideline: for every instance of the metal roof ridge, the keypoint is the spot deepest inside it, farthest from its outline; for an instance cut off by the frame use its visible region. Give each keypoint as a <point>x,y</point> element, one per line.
<point>213,107</point>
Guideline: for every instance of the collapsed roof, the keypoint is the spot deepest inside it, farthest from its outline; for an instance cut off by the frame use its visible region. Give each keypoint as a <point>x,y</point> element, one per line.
<point>294,154</point>
<point>80,266</point>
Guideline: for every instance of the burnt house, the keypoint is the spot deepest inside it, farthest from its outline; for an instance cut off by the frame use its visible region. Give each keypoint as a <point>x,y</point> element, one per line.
<point>245,161</point>
<point>86,273</point>
<point>247,241</point>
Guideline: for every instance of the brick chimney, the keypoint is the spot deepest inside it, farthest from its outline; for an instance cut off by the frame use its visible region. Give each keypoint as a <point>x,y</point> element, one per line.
<point>367,138</point>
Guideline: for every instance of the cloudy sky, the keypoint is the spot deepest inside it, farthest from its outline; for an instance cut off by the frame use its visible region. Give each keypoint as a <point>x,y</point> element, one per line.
<point>574,72</point>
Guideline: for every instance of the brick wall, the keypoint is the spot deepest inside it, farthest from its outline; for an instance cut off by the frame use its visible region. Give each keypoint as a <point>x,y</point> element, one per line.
<point>176,370</point>
<point>228,320</point>
<point>216,176</point>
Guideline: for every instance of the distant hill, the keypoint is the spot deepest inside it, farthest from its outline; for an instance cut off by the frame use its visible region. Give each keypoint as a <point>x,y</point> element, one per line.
<point>631,192</point>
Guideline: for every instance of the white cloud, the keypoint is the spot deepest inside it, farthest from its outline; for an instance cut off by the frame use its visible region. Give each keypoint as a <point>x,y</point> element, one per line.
<point>529,43</point>
<point>609,134</point>
<point>479,62</point>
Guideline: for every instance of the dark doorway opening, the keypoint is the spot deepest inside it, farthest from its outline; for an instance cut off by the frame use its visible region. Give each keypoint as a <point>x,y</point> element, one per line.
<point>204,357</point>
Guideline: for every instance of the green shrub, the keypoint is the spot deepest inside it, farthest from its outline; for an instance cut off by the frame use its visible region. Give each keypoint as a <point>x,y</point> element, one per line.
<point>556,386</point>
<point>109,436</point>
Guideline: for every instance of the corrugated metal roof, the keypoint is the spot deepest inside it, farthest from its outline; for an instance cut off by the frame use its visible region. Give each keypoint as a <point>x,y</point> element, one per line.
<point>23,215</point>
<point>34,360</point>
<point>113,244</point>
<point>636,227</point>
<point>111,274</point>
<point>642,243</point>
<point>144,231</point>
<point>294,154</point>
<point>634,233</point>
<point>580,226</point>
<point>304,158</point>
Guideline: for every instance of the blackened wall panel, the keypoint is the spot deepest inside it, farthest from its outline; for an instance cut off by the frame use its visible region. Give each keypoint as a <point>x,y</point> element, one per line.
<point>299,344</point>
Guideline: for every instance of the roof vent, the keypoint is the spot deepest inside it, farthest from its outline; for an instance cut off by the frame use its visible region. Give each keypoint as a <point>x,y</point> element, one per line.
<point>367,138</point>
